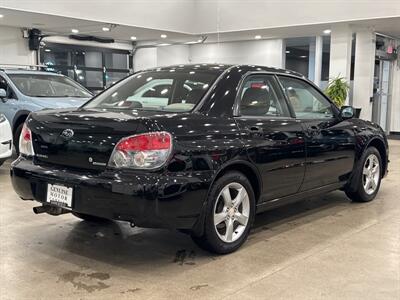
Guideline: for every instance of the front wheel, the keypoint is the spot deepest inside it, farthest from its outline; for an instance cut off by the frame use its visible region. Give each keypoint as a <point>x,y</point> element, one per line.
<point>368,177</point>
<point>229,214</point>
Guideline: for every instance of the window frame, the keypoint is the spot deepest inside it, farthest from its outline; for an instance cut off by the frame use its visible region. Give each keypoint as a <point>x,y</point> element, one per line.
<point>335,110</point>
<point>10,91</point>
<point>243,80</point>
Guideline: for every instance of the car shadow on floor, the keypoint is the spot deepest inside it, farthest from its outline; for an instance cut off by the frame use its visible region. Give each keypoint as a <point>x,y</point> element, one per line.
<point>118,244</point>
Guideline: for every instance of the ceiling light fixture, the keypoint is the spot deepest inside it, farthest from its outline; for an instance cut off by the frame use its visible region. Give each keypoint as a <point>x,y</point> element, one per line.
<point>133,38</point>
<point>287,51</point>
<point>257,37</point>
<point>327,31</point>
<point>47,50</point>
<point>1,16</point>
<point>164,44</point>
<point>303,56</point>
<point>74,30</point>
<point>163,36</point>
<point>106,29</point>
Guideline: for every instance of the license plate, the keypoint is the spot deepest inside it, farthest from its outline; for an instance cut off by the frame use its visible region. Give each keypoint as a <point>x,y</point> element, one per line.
<point>59,195</point>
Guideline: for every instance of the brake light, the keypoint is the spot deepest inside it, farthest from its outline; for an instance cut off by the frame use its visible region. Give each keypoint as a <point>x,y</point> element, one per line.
<point>25,142</point>
<point>142,151</point>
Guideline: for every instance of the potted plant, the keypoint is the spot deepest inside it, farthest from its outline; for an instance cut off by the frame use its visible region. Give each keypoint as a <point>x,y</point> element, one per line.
<point>337,90</point>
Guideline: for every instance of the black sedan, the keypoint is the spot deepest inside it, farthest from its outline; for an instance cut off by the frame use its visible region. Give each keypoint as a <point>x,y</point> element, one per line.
<point>198,148</point>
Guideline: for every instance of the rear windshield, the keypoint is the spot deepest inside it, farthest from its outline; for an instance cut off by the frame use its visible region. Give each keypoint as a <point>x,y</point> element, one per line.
<point>175,91</point>
<point>37,85</point>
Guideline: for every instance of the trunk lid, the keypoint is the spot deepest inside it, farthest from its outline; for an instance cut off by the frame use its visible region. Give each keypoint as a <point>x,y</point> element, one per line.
<point>82,139</point>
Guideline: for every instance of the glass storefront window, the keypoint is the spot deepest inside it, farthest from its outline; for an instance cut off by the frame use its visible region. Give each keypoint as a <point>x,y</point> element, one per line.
<point>94,68</point>
<point>299,55</point>
<point>113,77</point>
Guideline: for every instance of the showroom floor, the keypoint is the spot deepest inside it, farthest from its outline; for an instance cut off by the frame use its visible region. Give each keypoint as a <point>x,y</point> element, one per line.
<point>320,248</point>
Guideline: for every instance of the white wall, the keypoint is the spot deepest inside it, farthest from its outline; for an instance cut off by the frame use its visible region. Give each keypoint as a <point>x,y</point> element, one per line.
<point>395,107</point>
<point>172,55</point>
<point>364,72</point>
<point>13,48</point>
<point>265,52</point>
<point>145,58</point>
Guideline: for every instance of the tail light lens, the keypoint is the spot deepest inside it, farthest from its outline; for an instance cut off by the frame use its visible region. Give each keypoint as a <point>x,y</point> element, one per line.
<point>25,142</point>
<point>142,151</point>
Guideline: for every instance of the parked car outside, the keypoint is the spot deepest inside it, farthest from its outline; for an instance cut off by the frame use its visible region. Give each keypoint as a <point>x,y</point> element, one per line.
<point>26,91</point>
<point>5,139</point>
<point>206,160</point>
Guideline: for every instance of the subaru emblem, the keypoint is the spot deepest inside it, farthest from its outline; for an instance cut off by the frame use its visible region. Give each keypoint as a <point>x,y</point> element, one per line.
<point>67,134</point>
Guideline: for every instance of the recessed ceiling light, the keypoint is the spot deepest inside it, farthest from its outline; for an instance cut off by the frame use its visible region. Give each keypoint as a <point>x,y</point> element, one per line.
<point>303,56</point>
<point>1,16</point>
<point>257,37</point>
<point>47,50</point>
<point>163,36</point>
<point>106,29</point>
<point>287,51</point>
<point>327,31</point>
<point>133,38</point>
<point>74,30</point>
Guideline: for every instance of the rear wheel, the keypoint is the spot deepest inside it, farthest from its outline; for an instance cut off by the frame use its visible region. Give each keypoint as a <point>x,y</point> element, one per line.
<point>89,218</point>
<point>368,177</point>
<point>229,214</point>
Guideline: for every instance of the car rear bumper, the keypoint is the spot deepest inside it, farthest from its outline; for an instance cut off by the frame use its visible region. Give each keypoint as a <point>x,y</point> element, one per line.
<point>5,141</point>
<point>146,199</point>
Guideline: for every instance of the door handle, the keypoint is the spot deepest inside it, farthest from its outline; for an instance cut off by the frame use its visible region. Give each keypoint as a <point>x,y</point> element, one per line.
<point>255,129</point>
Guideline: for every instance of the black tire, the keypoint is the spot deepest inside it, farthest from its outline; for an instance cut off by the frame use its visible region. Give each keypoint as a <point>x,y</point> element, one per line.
<point>17,134</point>
<point>89,218</point>
<point>210,240</point>
<point>358,193</point>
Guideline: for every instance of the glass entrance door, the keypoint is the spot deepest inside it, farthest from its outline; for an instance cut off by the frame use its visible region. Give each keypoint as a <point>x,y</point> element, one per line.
<point>380,108</point>
<point>94,68</point>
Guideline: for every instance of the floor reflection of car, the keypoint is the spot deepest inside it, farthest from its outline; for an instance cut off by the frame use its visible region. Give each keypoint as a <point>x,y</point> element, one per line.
<point>5,139</point>
<point>198,148</point>
<point>25,91</point>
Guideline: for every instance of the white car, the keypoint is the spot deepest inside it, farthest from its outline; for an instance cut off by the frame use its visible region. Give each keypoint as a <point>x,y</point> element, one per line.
<point>5,139</point>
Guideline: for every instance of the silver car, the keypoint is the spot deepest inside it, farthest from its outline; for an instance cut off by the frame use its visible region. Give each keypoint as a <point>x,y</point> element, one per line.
<point>26,91</point>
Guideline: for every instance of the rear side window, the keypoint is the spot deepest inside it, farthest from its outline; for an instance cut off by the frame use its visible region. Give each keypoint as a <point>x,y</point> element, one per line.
<point>306,101</point>
<point>261,96</point>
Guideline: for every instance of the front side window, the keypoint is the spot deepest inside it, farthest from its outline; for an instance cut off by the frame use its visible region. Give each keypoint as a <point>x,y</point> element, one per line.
<point>306,101</point>
<point>52,86</point>
<point>261,96</point>
<point>176,91</point>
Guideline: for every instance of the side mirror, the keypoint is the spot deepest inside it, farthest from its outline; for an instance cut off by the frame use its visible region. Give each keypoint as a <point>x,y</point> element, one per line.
<point>347,112</point>
<point>3,93</point>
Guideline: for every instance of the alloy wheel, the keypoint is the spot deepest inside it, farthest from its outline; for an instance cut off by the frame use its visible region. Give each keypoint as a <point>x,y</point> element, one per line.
<point>231,212</point>
<point>371,174</point>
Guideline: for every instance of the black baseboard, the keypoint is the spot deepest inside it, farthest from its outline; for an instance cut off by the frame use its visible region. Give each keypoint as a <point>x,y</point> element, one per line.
<point>394,135</point>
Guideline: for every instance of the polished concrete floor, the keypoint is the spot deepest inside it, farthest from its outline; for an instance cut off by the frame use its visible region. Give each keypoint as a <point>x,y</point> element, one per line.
<point>323,248</point>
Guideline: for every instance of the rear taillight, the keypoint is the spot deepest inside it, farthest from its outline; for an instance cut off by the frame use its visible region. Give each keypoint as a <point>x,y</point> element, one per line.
<point>142,151</point>
<point>25,142</point>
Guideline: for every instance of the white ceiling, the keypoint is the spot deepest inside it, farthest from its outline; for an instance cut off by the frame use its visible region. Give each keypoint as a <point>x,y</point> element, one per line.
<point>58,25</point>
